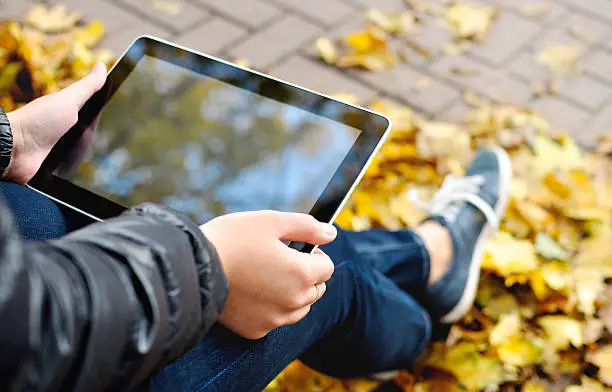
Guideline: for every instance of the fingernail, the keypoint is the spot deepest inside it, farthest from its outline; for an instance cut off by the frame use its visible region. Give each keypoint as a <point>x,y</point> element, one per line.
<point>329,230</point>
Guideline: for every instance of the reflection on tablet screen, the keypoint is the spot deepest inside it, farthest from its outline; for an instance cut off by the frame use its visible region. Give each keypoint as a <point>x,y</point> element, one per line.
<point>202,146</point>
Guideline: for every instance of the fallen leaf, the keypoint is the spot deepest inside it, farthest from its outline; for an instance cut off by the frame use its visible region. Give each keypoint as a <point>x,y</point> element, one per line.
<point>588,385</point>
<point>551,155</point>
<point>327,50</point>
<point>470,21</point>
<point>422,84</point>
<point>560,59</point>
<point>473,370</point>
<point>242,62</point>
<point>438,140</point>
<point>580,34</point>
<point>593,331</point>
<point>602,358</point>
<point>589,283</point>
<point>561,331</point>
<point>548,248</point>
<point>51,19</point>
<point>455,48</point>
<point>90,35</point>
<point>346,97</point>
<point>170,7</point>
<point>367,41</point>
<point>403,22</point>
<point>508,256</point>
<point>604,145</point>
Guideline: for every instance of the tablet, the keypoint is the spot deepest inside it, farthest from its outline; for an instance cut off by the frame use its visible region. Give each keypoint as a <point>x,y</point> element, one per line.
<point>207,137</point>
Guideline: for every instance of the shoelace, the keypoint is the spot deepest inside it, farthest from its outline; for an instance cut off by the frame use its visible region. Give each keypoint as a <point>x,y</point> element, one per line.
<point>456,189</point>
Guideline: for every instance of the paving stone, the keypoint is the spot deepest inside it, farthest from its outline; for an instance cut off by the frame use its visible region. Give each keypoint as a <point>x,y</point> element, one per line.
<point>14,9</point>
<point>324,12</point>
<point>211,37</point>
<point>384,5</point>
<point>276,41</point>
<point>560,114</point>
<point>493,83</point>
<point>509,34</point>
<point>433,35</point>
<point>598,125</point>
<point>527,68</point>
<point>598,8</point>
<point>593,29</point>
<point>599,63</point>
<point>349,25</point>
<point>454,113</point>
<point>319,77</point>
<point>118,41</point>
<point>554,10</point>
<point>251,13</point>
<point>186,18</point>
<point>585,90</point>
<point>403,81</point>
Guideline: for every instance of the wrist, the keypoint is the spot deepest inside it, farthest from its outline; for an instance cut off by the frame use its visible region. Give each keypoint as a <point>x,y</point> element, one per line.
<point>17,134</point>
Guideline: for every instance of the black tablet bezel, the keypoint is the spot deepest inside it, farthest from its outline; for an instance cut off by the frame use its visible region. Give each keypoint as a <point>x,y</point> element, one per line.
<point>373,126</point>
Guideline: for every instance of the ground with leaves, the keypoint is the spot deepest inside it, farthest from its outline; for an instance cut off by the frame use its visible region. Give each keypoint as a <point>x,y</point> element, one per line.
<point>543,316</point>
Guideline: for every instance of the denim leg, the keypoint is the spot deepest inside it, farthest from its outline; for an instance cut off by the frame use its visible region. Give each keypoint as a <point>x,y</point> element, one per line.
<point>400,255</point>
<point>36,216</point>
<point>363,324</point>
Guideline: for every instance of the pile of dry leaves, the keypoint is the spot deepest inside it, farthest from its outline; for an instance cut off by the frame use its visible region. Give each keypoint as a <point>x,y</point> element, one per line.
<point>543,315</point>
<point>49,50</point>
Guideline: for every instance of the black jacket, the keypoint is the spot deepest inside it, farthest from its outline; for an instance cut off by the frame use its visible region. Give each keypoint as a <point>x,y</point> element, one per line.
<point>103,308</point>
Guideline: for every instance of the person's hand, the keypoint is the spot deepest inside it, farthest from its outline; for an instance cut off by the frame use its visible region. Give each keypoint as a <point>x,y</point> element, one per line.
<point>38,125</point>
<point>271,285</point>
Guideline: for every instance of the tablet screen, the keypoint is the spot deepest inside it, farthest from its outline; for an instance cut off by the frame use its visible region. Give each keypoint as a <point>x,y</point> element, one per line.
<point>177,137</point>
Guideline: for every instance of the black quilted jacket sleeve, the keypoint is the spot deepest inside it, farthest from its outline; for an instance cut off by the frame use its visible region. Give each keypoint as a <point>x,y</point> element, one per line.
<point>103,308</point>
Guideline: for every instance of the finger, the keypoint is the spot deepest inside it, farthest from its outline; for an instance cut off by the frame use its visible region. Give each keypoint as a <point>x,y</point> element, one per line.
<point>298,315</point>
<point>79,92</point>
<point>319,266</point>
<point>317,292</point>
<point>304,228</point>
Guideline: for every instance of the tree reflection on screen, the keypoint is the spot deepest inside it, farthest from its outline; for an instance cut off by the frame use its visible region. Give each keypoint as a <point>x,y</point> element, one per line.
<point>207,148</point>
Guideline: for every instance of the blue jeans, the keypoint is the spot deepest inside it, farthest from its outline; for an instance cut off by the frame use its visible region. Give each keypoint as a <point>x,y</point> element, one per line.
<point>369,319</point>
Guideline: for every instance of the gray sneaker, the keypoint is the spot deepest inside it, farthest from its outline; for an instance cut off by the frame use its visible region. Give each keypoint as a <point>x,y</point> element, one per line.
<point>471,208</point>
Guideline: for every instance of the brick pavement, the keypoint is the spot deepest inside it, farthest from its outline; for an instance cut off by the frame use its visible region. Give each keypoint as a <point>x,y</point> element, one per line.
<point>277,36</point>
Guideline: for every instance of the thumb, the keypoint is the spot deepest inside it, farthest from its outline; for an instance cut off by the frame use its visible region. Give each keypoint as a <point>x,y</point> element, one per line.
<point>79,92</point>
<point>304,228</point>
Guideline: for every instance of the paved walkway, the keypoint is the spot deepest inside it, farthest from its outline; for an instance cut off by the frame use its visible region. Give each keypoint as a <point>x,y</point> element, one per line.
<point>278,35</point>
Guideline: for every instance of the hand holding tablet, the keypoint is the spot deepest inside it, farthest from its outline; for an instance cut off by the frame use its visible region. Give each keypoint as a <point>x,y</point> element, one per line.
<point>208,138</point>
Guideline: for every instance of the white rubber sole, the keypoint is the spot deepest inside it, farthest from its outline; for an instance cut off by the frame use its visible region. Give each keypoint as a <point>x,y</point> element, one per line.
<point>467,299</point>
